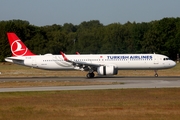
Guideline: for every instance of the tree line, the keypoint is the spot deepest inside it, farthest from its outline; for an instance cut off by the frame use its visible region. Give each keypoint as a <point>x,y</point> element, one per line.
<point>92,37</point>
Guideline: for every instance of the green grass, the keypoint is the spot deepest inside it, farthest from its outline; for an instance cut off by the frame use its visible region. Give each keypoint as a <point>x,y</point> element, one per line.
<point>126,104</point>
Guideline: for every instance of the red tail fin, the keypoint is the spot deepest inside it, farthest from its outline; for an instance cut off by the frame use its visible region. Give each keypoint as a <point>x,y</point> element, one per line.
<point>77,53</point>
<point>18,48</point>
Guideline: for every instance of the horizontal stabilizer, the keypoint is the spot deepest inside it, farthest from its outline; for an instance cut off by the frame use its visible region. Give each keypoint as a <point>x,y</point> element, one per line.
<point>14,60</point>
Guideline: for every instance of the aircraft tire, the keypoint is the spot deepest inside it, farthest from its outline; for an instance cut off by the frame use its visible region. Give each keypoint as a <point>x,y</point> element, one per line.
<point>156,75</point>
<point>90,75</point>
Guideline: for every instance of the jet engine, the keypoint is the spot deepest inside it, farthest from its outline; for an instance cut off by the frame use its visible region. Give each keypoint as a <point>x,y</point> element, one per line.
<point>107,70</point>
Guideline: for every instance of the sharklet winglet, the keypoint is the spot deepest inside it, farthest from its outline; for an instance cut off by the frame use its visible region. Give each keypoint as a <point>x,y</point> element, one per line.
<point>65,58</point>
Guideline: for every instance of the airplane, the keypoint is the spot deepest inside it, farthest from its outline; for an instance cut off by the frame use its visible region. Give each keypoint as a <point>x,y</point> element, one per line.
<point>103,64</point>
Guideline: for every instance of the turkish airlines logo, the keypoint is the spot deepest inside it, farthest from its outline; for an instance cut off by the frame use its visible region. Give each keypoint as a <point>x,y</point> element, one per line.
<point>18,49</point>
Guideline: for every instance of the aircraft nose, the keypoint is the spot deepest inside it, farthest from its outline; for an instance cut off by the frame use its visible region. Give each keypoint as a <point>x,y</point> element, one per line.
<point>173,63</point>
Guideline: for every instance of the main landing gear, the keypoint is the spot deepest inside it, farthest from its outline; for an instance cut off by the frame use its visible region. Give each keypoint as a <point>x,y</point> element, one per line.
<point>90,75</point>
<point>156,74</point>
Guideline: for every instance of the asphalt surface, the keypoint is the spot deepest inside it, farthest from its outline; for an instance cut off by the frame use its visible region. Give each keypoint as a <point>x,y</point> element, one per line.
<point>124,83</point>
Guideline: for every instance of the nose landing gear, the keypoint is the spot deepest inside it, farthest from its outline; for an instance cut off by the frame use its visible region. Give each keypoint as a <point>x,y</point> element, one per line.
<point>156,74</point>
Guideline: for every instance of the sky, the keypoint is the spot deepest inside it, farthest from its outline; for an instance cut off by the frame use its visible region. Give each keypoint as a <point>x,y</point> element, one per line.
<point>48,12</point>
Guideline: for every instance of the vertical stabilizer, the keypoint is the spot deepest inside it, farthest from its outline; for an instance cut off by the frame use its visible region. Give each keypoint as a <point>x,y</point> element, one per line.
<point>18,48</point>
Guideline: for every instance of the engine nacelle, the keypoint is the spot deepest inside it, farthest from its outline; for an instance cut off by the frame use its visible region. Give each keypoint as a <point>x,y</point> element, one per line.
<point>107,70</point>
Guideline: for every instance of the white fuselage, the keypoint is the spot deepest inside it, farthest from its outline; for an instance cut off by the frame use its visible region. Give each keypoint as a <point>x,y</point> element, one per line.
<point>120,61</point>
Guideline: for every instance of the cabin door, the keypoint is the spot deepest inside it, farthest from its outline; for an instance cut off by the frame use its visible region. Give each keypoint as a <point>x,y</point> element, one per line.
<point>156,59</point>
<point>34,64</point>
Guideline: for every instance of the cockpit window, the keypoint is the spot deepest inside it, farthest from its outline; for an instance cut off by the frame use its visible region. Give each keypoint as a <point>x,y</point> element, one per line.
<point>166,59</point>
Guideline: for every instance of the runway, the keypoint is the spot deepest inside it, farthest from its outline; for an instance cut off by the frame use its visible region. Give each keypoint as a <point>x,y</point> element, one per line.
<point>124,83</point>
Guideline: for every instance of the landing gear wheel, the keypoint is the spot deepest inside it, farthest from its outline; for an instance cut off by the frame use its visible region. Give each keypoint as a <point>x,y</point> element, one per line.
<point>90,75</point>
<point>156,74</point>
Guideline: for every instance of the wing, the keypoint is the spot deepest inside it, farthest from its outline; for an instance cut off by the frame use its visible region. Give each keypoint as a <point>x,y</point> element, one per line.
<point>81,65</point>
